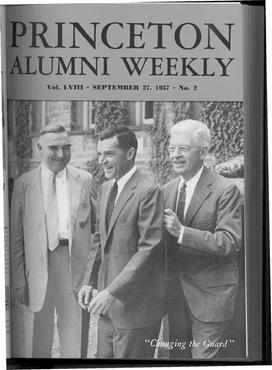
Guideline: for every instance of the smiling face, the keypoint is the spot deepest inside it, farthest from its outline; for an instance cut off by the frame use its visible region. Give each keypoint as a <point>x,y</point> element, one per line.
<point>55,150</point>
<point>114,160</point>
<point>186,154</point>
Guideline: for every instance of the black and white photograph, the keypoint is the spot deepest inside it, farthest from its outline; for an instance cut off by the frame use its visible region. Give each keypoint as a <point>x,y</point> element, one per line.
<point>127,229</point>
<point>135,184</point>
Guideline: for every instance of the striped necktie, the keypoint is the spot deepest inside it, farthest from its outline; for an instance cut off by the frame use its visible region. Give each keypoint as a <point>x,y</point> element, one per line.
<point>111,203</point>
<point>181,203</point>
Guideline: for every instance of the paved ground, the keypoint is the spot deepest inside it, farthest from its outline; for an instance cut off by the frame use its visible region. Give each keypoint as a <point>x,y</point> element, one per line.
<point>93,340</point>
<point>18,338</point>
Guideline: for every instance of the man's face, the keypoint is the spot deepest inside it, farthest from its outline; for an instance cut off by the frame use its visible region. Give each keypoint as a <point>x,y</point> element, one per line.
<point>115,161</point>
<point>186,156</point>
<point>55,150</point>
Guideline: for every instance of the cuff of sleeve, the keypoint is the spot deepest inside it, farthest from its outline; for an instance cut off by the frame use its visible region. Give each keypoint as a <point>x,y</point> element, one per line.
<point>180,238</point>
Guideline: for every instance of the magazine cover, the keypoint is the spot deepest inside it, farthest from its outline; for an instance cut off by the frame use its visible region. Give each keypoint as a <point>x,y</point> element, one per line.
<point>130,219</point>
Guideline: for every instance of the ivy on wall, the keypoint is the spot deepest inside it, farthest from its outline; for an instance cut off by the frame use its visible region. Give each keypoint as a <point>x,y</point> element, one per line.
<point>22,138</point>
<point>106,114</point>
<point>181,111</point>
<point>110,113</point>
<point>160,164</point>
<point>225,120</point>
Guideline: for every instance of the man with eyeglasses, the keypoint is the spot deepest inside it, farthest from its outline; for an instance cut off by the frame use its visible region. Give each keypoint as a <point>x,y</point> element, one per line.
<point>203,223</point>
<point>52,218</point>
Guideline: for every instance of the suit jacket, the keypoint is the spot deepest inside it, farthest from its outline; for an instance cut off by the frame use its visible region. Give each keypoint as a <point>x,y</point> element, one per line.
<point>205,263</point>
<point>131,253</point>
<point>29,244</point>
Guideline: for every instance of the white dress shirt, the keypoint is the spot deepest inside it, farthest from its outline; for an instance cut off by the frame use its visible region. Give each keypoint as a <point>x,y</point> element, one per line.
<point>62,194</point>
<point>123,180</point>
<point>190,188</point>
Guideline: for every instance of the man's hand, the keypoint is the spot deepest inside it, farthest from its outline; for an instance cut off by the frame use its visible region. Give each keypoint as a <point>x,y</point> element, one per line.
<point>101,303</point>
<point>20,295</point>
<point>85,296</point>
<point>171,222</point>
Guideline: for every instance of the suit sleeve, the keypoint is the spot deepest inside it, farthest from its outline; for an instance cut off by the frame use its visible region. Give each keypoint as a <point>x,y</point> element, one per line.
<point>17,258</point>
<point>225,239</point>
<point>91,275</point>
<point>93,201</point>
<point>150,251</point>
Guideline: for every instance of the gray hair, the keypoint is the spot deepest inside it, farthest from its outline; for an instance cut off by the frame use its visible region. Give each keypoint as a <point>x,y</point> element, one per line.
<point>200,131</point>
<point>55,128</point>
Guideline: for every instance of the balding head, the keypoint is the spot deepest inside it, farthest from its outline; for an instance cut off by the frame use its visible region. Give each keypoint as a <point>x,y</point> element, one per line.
<point>189,143</point>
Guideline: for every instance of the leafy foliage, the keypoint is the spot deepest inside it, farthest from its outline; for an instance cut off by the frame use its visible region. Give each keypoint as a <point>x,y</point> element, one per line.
<point>106,114</point>
<point>160,164</point>
<point>225,120</point>
<point>22,138</point>
<point>110,113</point>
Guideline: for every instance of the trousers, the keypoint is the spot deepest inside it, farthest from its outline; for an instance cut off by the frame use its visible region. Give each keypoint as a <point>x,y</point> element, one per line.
<point>125,343</point>
<point>60,309</point>
<point>184,327</point>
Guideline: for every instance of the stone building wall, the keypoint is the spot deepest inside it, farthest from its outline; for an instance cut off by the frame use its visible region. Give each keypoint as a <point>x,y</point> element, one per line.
<point>84,149</point>
<point>83,143</point>
<point>80,120</point>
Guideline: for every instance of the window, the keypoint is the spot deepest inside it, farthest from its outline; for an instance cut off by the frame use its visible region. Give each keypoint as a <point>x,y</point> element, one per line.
<point>143,112</point>
<point>147,112</point>
<point>36,116</point>
<point>73,115</point>
<point>82,115</point>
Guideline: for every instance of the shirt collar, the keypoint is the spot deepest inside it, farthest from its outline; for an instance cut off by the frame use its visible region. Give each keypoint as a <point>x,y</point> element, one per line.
<point>193,181</point>
<point>46,172</point>
<point>124,179</point>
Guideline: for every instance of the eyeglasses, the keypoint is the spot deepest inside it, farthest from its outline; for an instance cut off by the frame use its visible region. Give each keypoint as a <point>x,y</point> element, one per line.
<point>179,148</point>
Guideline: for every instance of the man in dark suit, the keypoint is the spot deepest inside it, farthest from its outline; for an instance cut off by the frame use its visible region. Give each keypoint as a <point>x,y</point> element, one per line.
<point>130,284</point>
<point>52,217</point>
<point>203,223</point>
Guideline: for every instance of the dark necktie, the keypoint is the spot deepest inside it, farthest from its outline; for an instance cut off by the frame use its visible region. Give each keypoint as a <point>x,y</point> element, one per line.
<point>181,203</point>
<point>52,213</point>
<point>111,202</point>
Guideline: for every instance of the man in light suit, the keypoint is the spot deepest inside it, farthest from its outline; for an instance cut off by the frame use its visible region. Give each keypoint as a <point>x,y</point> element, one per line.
<point>52,218</point>
<point>203,223</point>
<point>130,284</point>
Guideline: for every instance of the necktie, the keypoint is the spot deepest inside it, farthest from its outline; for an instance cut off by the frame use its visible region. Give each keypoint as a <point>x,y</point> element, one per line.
<point>52,214</point>
<point>181,203</point>
<point>111,202</point>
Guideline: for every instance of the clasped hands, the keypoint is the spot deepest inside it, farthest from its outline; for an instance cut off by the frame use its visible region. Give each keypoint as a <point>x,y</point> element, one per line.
<point>171,222</point>
<point>96,305</point>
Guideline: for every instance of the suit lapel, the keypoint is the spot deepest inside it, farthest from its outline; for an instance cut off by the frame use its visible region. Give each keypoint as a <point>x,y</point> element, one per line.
<point>103,208</point>
<point>201,193</point>
<point>123,198</point>
<point>36,192</point>
<point>74,187</point>
<point>172,194</point>
<point>37,202</point>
